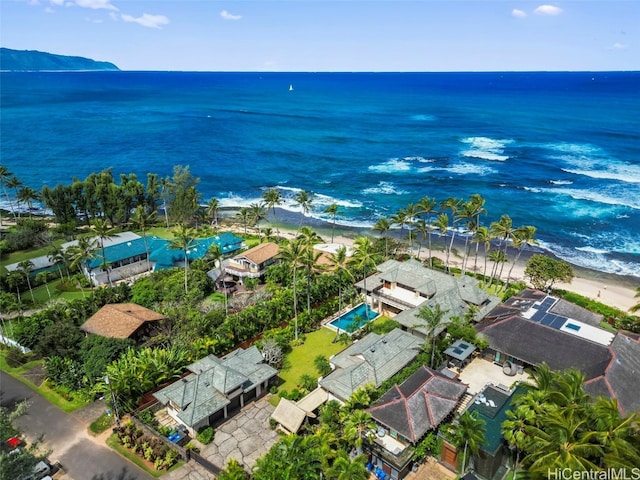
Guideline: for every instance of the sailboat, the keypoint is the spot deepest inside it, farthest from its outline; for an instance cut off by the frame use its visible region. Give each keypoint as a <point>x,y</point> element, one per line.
<point>291,88</point>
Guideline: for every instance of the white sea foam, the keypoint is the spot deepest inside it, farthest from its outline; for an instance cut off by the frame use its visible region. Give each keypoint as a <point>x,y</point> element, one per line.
<point>593,258</point>
<point>383,188</point>
<point>391,166</point>
<point>532,189</point>
<point>486,148</point>
<point>627,173</point>
<point>592,250</point>
<point>561,182</point>
<point>631,201</point>
<point>470,169</point>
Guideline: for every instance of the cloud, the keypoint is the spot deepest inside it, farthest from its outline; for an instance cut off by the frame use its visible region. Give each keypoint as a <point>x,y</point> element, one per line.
<point>518,13</point>
<point>96,4</point>
<point>619,46</point>
<point>549,10</point>
<point>147,20</point>
<point>228,16</point>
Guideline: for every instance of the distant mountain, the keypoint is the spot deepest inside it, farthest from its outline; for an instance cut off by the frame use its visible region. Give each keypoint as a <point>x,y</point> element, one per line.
<point>32,60</point>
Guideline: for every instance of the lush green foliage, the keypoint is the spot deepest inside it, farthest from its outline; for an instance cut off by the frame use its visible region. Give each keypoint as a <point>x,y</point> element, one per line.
<point>205,435</point>
<point>545,271</point>
<point>100,424</point>
<point>557,425</point>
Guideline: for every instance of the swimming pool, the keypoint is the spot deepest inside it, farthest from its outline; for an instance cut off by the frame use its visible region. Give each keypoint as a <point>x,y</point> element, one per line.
<point>354,319</point>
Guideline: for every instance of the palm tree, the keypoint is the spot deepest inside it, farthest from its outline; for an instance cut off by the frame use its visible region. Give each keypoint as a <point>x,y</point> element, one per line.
<point>25,267</point>
<point>523,237</point>
<point>422,228</point>
<point>453,204</point>
<point>257,213</point>
<point>442,224</point>
<point>498,257</point>
<point>243,215</point>
<point>383,226</point>
<point>28,195</point>
<point>81,253</point>
<point>358,426</point>
<point>482,235</point>
<point>305,200</point>
<point>400,218</point>
<point>310,259</point>
<point>563,441</point>
<point>636,307</point>
<point>470,214</point>
<point>14,182</point>
<point>143,219</point>
<point>60,258</point>
<point>43,277</point>
<point>426,207</point>
<point>184,239</point>
<point>339,262</point>
<point>615,434</point>
<point>504,231</point>
<point>293,254</point>
<point>469,431</point>
<point>212,210</point>
<point>272,198</point>
<point>102,230</point>
<point>514,430</point>
<point>344,468</point>
<point>5,176</point>
<point>334,211</point>
<point>365,259</point>
<point>433,320</point>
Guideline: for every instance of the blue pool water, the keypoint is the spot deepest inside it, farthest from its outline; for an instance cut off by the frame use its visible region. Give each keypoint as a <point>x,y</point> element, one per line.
<point>349,323</point>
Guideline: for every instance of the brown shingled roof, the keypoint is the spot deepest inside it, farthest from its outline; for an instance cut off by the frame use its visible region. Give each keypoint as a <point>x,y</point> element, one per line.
<point>260,253</point>
<point>119,320</point>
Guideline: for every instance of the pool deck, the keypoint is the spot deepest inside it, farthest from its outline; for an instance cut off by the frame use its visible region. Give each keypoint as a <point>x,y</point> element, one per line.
<point>480,373</point>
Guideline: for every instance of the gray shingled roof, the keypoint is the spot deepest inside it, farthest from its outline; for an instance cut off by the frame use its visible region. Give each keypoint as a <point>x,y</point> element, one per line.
<point>373,359</point>
<point>419,404</point>
<point>215,378</point>
<point>535,343</point>
<point>621,379</point>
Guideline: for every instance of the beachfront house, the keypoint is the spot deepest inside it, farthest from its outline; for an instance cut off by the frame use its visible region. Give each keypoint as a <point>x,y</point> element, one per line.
<point>405,414</point>
<point>253,262</point>
<point>400,289</point>
<point>123,320</point>
<point>531,328</point>
<point>371,360</point>
<point>216,387</point>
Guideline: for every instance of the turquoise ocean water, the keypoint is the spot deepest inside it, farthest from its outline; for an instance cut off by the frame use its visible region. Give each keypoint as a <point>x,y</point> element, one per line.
<point>560,151</point>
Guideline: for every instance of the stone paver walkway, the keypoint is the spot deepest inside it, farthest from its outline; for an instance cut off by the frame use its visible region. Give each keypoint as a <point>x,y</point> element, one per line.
<point>246,436</point>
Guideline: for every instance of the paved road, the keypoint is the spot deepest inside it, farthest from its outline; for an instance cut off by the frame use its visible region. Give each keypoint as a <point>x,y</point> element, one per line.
<point>83,457</point>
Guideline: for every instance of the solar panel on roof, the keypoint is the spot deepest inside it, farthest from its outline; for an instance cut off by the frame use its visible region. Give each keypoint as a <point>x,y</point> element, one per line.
<point>463,345</point>
<point>458,351</point>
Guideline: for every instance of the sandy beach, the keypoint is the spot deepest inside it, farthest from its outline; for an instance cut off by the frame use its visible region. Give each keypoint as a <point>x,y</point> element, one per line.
<point>612,290</point>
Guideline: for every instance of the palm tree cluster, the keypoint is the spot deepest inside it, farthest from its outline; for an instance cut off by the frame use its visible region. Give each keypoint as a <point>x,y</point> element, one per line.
<point>331,449</point>
<point>556,425</point>
<point>455,215</point>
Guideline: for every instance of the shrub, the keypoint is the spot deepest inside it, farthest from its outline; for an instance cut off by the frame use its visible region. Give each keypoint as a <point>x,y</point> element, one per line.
<point>205,435</point>
<point>101,423</point>
<point>192,447</point>
<point>272,423</point>
<point>15,357</point>
<point>308,382</point>
<point>322,365</point>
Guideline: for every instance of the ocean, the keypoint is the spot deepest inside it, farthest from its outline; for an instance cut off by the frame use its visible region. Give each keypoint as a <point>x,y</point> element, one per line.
<point>557,150</point>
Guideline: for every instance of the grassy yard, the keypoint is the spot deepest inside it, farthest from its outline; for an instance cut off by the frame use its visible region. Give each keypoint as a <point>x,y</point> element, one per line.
<point>15,257</point>
<point>300,360</point>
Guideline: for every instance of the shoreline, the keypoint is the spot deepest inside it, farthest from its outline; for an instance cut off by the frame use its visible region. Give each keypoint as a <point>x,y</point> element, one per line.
<point>608,288</point>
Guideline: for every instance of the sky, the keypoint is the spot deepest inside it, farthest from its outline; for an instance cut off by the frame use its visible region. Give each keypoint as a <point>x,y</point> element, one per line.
<point>328,35</point>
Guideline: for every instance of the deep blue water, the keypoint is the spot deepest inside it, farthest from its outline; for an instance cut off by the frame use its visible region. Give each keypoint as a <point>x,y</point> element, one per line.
<point>560,151</point>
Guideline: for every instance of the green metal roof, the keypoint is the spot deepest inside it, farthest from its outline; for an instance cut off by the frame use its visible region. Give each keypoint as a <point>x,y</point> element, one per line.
<point>161,253</point>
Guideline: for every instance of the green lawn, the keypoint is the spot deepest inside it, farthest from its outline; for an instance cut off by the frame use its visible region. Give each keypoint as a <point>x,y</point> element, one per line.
<point>15,257</point>
<point>300,360</point>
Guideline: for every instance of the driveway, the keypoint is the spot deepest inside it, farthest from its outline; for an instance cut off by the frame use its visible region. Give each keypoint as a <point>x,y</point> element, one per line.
<point>82,456</point>
<point>246,436</point>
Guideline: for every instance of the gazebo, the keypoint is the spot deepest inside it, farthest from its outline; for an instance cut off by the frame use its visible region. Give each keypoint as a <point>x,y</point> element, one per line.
<point>458,354</point>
